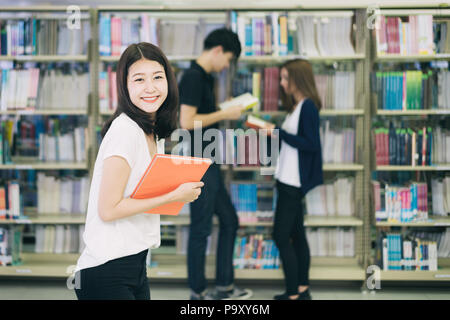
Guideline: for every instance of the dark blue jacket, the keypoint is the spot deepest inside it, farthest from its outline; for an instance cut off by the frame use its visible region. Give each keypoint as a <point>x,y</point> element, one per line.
<point>307,142</point>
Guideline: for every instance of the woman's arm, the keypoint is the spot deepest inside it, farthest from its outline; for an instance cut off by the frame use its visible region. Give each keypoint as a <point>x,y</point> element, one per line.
<point>310,142</point>
<point>112,205</point>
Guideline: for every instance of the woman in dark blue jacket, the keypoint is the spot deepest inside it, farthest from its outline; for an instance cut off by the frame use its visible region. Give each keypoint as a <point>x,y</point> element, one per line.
<point>299,169</point>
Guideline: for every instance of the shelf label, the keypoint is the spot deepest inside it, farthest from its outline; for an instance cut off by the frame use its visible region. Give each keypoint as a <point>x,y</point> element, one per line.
<point>164,273</point>
<point>442,275</point>
<point>23,166</point>
<point>23,271</point>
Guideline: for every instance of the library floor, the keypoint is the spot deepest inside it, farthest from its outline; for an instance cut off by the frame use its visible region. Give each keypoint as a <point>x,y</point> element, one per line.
<point>56,290</point>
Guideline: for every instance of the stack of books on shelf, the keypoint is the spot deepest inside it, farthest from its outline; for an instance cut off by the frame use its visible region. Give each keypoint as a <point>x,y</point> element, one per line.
<point>283,33</point>
<point>10,245</point>
<point>45,139</point>
<point>61,194</point>
<point>10,200</point>
<point>336,89</point>
<point>441,31</point>
<point>263,83</point>
<point>253,202</point>
<point>412,35</point>
<point>331,242</point>
<point>414,250</point>
<point>107,90</point>
<point>440,196</point>
<point>255,251</point>
<point>423,146</point>
<point>59,239</point>
<point>332,199</point>
<point>39,34</point>
<point>174,36</point>
<point>412,89</point>
<point>44,89</point>
<point>401,203</point>
<point>338,143</point>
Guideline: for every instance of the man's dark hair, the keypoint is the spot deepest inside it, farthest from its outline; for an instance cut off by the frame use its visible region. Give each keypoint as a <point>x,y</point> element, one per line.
<point>223,37</point>
<point>165,120</point>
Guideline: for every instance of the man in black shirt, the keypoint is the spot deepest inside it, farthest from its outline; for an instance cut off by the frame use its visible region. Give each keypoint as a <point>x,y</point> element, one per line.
<point>198,103</point>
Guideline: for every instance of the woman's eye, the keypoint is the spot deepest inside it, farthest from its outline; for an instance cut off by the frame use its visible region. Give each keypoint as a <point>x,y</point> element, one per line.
<point>139,79</point>
<point>158,77</point>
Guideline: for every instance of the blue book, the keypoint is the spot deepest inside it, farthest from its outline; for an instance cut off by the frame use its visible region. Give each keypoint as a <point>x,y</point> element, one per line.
<point>248,39</point>
<point>105,35</point>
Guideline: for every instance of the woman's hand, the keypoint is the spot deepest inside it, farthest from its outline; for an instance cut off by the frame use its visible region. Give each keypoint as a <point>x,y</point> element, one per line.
<point>187,192</point>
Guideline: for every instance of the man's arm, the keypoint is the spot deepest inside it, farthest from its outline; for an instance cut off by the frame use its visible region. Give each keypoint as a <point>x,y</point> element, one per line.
<point>188,114</point>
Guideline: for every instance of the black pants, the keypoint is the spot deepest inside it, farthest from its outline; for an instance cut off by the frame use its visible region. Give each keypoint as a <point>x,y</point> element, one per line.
<point>119,279</point>
<point>290,237</point>
<point>213,199</point>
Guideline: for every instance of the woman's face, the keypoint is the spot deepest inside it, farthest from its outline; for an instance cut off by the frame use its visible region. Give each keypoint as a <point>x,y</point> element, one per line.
<point>284,82</point>
<point>147,85</point>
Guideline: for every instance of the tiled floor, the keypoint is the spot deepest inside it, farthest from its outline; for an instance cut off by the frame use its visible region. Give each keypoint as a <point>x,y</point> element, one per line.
<point>57,290</point>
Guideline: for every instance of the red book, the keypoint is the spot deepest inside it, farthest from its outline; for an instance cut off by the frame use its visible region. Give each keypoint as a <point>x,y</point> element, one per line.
<point>164,174</point>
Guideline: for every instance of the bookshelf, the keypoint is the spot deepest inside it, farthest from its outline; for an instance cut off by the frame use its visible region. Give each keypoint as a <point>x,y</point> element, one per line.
<point>427,114</point>
<point>71,110</point>
<point>172,266</point>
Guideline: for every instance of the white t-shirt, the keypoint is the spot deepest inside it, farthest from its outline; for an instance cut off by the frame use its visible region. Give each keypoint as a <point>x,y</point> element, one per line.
<point>287,170</point>
<point>127,236</point>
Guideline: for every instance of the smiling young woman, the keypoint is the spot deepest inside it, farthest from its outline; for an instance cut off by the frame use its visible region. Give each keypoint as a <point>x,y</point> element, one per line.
<point>118,233</point>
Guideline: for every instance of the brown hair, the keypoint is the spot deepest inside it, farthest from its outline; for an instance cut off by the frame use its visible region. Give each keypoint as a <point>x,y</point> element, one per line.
<point>165,121</point>
<point>301,76</point>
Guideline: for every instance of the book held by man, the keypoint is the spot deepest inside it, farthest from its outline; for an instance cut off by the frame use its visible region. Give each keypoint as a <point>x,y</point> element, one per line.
<point>246,100</point>
<point>164,174</point>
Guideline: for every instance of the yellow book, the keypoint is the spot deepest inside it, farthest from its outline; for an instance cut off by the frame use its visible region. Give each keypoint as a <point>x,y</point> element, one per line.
<point>247,100</point>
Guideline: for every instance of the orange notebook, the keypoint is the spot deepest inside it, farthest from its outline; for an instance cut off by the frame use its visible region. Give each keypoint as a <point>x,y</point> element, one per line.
<point>164,174</point>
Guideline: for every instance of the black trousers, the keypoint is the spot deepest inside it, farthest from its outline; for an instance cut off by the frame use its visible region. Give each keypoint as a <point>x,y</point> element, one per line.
<point>119,279</point>
<point>213,199</point>
<point>290,237</point>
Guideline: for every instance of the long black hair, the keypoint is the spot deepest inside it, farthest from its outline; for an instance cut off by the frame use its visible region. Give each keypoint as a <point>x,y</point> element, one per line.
<point>165,121</point>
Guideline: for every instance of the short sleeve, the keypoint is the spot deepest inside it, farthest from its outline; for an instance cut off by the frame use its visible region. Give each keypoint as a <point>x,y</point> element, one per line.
<point>120,140</point>
<point>190,88</point>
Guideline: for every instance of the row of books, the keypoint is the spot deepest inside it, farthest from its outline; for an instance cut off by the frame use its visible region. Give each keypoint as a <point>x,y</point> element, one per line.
<point>402,254</point>
<point>46,88</point>
<point>338,144</point>
<point>405,203</point>
<point>411,36</point>
<point>174,37</point>
<point>405,146</point>
<point>10,200</point>
<point>59,239</point>
<point>336,89</point>
<point>10,245</point>
<point>48,139</point>
<point>107,90</point>
<point>441,31</point>
<point>255,251</point>
<point>43,36</point>
<point>282,33</point>
<point>440,196</point>
<point>331,242</point>
<point>264,84</point>
<point>441,145</point>
<point>412,89</point>
<point>253,202</point>
<point>332,198</point>
<point>61,195</point>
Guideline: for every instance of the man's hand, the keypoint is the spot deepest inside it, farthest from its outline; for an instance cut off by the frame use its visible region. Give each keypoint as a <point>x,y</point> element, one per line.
<point>233,113</point>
